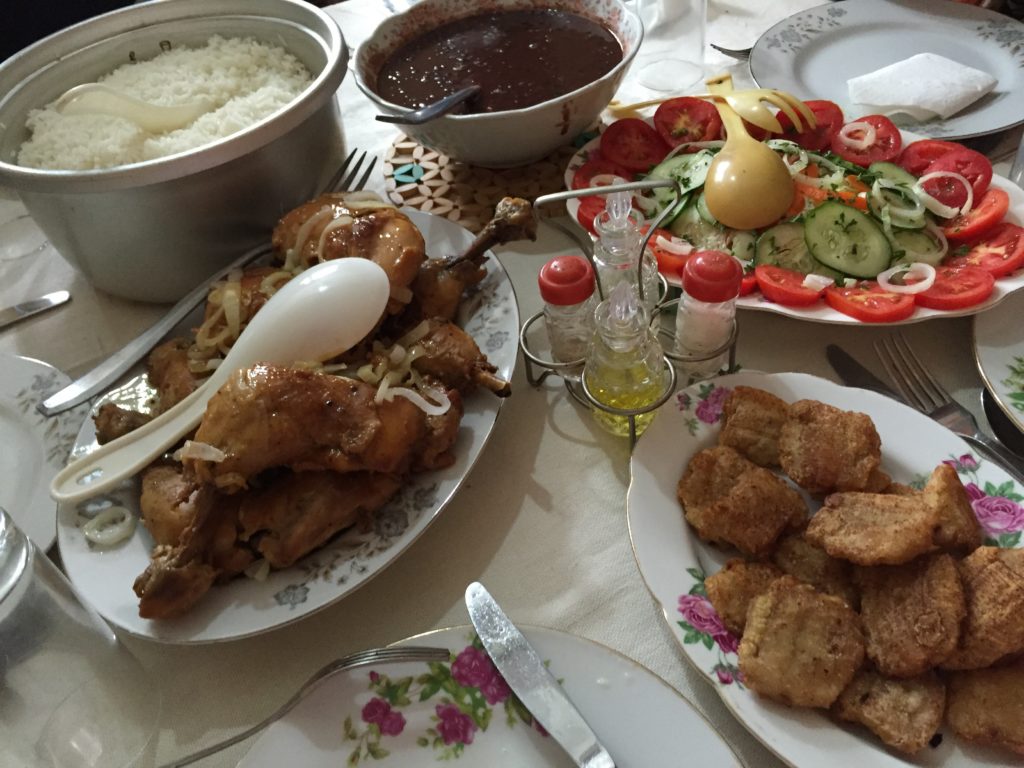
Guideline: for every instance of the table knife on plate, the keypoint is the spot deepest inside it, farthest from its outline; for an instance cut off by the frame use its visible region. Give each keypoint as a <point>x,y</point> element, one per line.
<point>19,312</point>
<point>532,682</point>
<point>854,374</point>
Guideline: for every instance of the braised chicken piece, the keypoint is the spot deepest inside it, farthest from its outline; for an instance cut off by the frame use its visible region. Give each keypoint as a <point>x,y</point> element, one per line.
<point>169,373</point>
<point>303,510</point>
<point>274,416</point>
<point>440,283</point>
<point>339,225</point>
<point>113,421</point>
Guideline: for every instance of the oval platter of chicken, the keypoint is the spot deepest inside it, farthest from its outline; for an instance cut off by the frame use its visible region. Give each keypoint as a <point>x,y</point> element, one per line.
<point>302,482</point>
<point>847,573</point>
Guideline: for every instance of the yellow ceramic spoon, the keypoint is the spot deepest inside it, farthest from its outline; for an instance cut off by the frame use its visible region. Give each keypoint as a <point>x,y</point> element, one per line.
<point>748,185</point>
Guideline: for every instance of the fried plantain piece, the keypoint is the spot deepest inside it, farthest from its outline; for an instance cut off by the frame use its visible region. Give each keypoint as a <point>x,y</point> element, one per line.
<point>911,614</point>
<point>730,500</point>
<point>795,555</point>
<point>873,528</point>
<point>905,714</point>
<point>825,449</point>
<point>987,705</point>
<point>799,646</point>
<point>959,530</point>
<point>732,588</point>
<point>993,581</point>
<point>751,421</point>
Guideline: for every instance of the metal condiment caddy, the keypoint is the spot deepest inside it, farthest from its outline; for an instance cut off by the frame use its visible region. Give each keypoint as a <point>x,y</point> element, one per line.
<point>571,372</point>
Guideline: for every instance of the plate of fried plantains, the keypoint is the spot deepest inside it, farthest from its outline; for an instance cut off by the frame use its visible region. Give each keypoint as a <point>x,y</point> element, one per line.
<point>845,571</point>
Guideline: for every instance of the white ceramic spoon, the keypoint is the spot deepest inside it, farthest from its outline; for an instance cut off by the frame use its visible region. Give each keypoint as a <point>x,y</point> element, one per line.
<point>96,98</point>
<point>316,316</point>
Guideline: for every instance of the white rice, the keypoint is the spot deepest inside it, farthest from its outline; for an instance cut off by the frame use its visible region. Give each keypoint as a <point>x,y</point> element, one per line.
<point>245,80</point>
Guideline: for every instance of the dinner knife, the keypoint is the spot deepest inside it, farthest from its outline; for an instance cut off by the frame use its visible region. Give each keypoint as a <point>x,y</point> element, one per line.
<point>532,682</point>
<point>19,312</point>
<point>854,374</point>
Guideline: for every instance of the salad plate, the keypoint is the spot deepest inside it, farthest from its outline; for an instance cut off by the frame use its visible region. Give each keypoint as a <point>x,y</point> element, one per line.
<point>674,561</point>
<point>814,52</point>
<point>35,447</point>
<point>999,353</point>
<point>248,606</point>
<point>821,312</point>
<point>417,714</point>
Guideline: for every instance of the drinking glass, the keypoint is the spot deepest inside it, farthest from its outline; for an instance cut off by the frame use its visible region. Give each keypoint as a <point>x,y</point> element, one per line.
<point>71,696</point>
<point>671,57</point>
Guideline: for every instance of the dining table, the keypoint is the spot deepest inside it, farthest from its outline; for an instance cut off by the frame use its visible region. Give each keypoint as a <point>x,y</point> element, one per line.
<point>541,518</point>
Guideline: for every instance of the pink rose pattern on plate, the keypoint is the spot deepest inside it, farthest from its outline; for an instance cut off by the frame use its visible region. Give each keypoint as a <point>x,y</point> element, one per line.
<point>468,688</point>
<point>707,408</point>
<point>702,626</point>
<point>998,508</point>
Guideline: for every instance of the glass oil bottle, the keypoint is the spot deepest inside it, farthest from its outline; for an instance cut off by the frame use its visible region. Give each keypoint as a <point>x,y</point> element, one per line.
<point>625,364</point>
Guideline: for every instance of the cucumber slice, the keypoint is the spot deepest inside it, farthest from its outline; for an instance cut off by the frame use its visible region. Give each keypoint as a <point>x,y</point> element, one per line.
<point>700,234</point>
<point>916,245</point>
<point>744,246</point>
<point>702,209</point>
<point>847,240</point>
<point>893,173</point>
<point>689,170</point>
<point>785,245</point>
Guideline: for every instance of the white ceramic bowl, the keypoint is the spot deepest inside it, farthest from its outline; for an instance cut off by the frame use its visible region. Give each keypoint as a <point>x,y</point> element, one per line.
<point>152,231</point>
<point>516,136</point>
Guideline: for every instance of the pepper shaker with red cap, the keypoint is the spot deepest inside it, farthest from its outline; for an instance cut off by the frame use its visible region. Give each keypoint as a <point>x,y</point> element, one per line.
<point>707,310</point>
<point>567,288</point>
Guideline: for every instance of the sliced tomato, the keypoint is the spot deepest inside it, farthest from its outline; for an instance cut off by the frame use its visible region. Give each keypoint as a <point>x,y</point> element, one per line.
<point>869,303</point>
<point>633,144</point>
<point>999,251</point>
<point>918,155</point>
<point>828,120</point>
<point>686,119</point>
<point>748,284</point>
<point>669,264</point>
<point>784,286</point>
<point>597,165</point>
<point>590,207</point>
<point>973,166</point>
<point>985,214</point>
<point>885,148</point>
<point>957,288</point>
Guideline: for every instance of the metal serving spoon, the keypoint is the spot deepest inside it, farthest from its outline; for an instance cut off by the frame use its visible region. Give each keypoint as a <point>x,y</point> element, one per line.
<point>433,111</point>
<point>316,316</point>
<point>96,98</point>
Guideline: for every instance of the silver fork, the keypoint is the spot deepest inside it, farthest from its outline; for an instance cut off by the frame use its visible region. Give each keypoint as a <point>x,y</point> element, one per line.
<point>393,655</point>
<point>740,54</point>
<point>924,392</point>
<point>351,177</point>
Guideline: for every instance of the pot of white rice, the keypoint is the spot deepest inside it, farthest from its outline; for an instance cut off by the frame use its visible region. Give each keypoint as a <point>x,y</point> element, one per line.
<point>147,215</point>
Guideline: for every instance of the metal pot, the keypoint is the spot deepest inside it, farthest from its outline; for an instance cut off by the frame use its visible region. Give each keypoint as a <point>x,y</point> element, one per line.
<point>154,230</point>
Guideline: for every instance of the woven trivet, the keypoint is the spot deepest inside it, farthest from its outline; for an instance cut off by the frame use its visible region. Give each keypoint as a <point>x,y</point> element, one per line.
<point>430,181</point>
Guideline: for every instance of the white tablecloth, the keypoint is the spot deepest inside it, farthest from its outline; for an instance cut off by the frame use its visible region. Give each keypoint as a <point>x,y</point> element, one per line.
<point>541,520</point>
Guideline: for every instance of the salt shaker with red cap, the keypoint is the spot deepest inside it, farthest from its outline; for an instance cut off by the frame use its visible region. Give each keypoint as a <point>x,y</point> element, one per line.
<point>567,288</point>
<point>707,310</point>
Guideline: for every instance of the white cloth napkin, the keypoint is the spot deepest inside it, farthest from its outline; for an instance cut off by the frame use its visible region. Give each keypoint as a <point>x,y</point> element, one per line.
<point>924,86</point>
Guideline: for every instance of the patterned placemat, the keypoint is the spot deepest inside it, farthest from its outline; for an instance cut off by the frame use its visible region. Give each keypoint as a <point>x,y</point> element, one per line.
<point>431,181</point>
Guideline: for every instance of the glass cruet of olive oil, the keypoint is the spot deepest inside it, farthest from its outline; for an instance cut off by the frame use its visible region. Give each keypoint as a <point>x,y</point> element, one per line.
<point>625,363</point>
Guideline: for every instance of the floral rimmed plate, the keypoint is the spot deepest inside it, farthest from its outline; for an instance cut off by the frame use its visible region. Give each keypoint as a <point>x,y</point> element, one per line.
<point>822,312</point>
<point>673,561</point>
<point>247,606</point>
<point>999,352</point>
<point>34,447</point>
<point>462,712</point>
<point>813,53</point>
